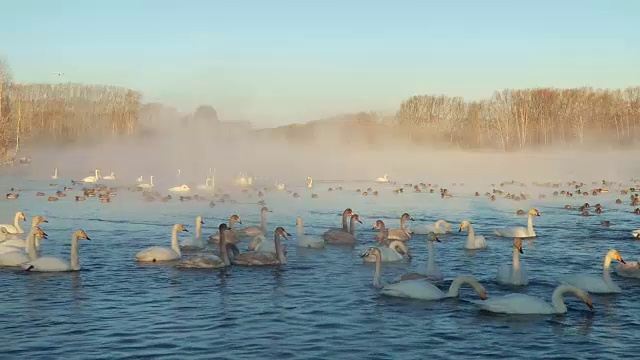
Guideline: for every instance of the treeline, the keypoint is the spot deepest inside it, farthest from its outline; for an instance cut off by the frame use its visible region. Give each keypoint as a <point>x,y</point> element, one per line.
<point>513,119</point>
<point>62,112</point>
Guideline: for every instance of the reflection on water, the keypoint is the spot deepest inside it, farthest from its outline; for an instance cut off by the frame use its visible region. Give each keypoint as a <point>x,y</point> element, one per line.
<point>321,303</point>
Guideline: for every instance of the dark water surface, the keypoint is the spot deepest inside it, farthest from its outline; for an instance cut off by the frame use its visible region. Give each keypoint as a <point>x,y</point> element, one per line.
<point>321,304</point>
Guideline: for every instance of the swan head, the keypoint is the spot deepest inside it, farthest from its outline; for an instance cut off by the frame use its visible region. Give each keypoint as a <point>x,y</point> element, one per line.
<point>20,215</point>
<point>431,236</point>
<point>534,212</point>
<point>180,227</point>
<point>222,227</point>
<point>517,243</point>
<point>372,252</point>
<point>299,220</point>
<point>613,254</point>
<point>38,219</point>
<point>199,220</point>
<point>282,232</point>
<point>378,225</point>
<point>348,212</point>
<point>464,225</point>
<point>265,210</point>
<point>80,234</point>
<point>235,218</point>
<point>356,217</point>
<point>406,216</point>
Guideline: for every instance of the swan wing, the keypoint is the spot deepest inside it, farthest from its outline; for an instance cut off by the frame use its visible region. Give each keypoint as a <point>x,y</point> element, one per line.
<point>14,258</point>
<point>202,261</point>
<point>256,258</point>
<point>516,304</point>
<point>310,241</point>
<point>421,229</point>
<point>21,243</point>
<point>414,289</point>
<point>9,248</point>
<point>512,232</point>
<point>250,231</point>
<point>590,283</point>
<point>631,269</point>
<point>157,253</point>
<point>47,264</point>
<point>10,229</point>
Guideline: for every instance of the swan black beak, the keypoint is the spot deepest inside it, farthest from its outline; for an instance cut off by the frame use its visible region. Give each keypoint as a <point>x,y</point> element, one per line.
<point>590,305</point>
<point>185,230</point>
<point>201,222</point>
<point>459,229</point>
<point>520,250</point>
<point>374,228</point>
<point>44,221</point>
<point>239,222</point>
<point>438,239</point>
<point>622,261</point>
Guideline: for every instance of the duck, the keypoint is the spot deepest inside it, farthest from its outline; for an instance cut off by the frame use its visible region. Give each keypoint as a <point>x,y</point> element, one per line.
<point>513,274</point>
<point>157,253</point>
<point>53,264</point>
<point>345,238</point>
<point>265,258</point>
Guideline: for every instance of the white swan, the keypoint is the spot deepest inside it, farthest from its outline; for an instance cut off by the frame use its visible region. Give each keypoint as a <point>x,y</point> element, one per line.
<point>19,257</point>
<point>197,242</point>
<point>636,234</point>
<point>53,264</point>
<point>395,251</point>
<point>55,174</point>
<point>15,228</point>
<point>432,271</point>
<point>439,227</point>
<point>523,304</point>
<point>252,231</point>
<point>520,231</point>
<point>111,176</point>
<point>181,188</point>
<point>420,288</point>
<point>309,182</point>
<point>513,274</point>
<point>260,243</point>
<point>22,243</point>
<point>630,269</point>
<point>307,241</point>
<point>208,184</point>
<point>156,253</point>
<point>92,179</point>
<point>147,185</point>
<point>596,284</point>
<point>139,179</point>
<point>210,261</point>
<point>473,241</point>
<point>384,179</point>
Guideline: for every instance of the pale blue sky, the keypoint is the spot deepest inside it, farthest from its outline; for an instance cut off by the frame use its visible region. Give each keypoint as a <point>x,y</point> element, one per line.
<point>283,61</point>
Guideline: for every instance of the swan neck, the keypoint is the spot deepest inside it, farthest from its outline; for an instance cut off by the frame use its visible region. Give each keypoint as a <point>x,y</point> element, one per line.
<point>263,220</point>
<point>199,232</point>
<point>431,260</point>
<point>300,229</point>
<point>377,277</point>
<point>279,250</point>
<point>16,224</point>
<point>606,274</point>
<point>352,226</point>
<point>530,225</point>
<point>174,241</point>
<point>224,254</point>
<point>31,240</point>
<point>403,223</point>
<point>344,221</point>
<point>557,299</point>
<point>75,261</point>
<point>516,258</point>
<point>454,289</point>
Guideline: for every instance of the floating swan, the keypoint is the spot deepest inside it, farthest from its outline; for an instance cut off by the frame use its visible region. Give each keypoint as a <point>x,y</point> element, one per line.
<point>55,174</point>
<point>630,269</point>
<point>340,237</point>
<point>22,243</point>
<point>307,241</point>
<point>53,264</point>
<point>139,179</point>
<point>309,182</point>
<point>596,284</point>
<point>231,232</point>
<point>403,233</point>
<point>439,227</point>
<point>520,231</point>
<point>432,272</point>
<point>92,179</point>
<point>15,228</point>
<point>523,304</point>
<point>636,234</point>
<point>181,188</point>
<point>196,243</point>
<point>419,288</point>
<point>210,261</point>
<point>265,258</point>
<point>331,232</point>
<point>394,252</point>
<point>384,179</point>
<point>157,253</point>
<point>208,184</point>
<point>382,237</point>
<point>19,257</point>
<point>260,243</point>
<point>473,241</point>
<point>513,274</point>
<point>252,231</point>
<point>146,185</point>
<point>112,176</point>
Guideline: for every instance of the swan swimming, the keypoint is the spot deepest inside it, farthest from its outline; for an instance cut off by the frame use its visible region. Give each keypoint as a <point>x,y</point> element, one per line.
<point>523,304</point>
<point>196,243</point>
<point>439,227</point>
<point>307,241</point>
<point>146,185</point>
<point>231,237</point>
<point>53,264</point>
<point>519,231</point>
<point>265,258</point>
<point>19,257</point>
<point>181,188</point>
<point>395,251</point>
<point>513,274</point>
<point>92,179</point>
<point>22,243</point>
<point>596,284</point>
<point>15,228</point>
<point>329,234</point>
<point>382,237</point>
<point>157,253</point>
<point>474,242</point>
<point>55,174</point>
<point>432,272</point>
<point>403,233</point>
<point>384,179</point>
<point>211,261</point>
<point>345,238</point>
<point>252,231</point>
<point>630,269</point>
<point>112,176</point>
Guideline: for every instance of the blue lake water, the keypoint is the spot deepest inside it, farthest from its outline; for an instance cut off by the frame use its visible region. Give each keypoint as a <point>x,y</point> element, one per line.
<point>321,304</point>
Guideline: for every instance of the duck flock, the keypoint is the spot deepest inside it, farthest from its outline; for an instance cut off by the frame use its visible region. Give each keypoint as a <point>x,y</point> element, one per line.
<point>388,244</point>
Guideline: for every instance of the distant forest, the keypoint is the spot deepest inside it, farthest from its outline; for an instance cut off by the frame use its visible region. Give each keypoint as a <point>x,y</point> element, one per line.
<point>509,120</point>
